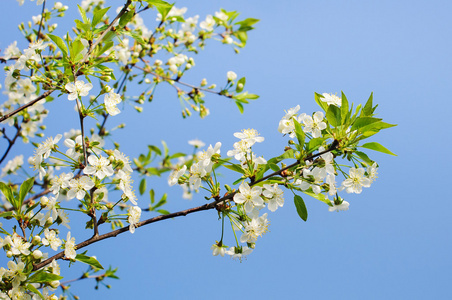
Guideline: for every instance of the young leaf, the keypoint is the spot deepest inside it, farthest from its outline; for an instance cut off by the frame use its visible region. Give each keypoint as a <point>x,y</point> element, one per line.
<point>8,193</point>
<point>333,115</point>
<point>235,168</point>
<point>240,85</point>
<point>89,260</point>
<point>299,133</point>
<point>377,147</point>
<point>322,104</point>
<point>83,14</point>
<point>98,15</point>
<point>301,207</point>
<point>344,108</point>
<point>35,290</point>
<point>24,189</point>
<point>363,121</point>
<point>125,18</point>
<point>60,43</point>
<point>162,7</point>
<point>42,277</point>
<point>142,187</point>
<point>367,109</point>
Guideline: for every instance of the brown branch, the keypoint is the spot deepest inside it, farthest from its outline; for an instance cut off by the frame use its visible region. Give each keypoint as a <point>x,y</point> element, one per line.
<point>11,142</point>
<point>3,118</point>
<point>208,206</point>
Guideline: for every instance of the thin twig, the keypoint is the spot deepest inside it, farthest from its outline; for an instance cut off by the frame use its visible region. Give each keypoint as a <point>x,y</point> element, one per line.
<point>3,118</point>
<point>11,143</point>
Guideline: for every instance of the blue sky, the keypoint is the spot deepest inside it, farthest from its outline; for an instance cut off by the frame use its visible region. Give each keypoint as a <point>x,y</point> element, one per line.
<point>395,240</point>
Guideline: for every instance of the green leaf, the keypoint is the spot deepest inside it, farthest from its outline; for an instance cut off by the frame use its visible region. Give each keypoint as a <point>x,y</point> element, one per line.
<point>98,15</point>
<point>163,212</point>
<point>301,207</point>
<point>162,7</point>
<point>240,85</point>
<point>333,115</point>
<point>377,147</point>
<point>241,36</point>
<point>60,43</point>
<point>286,155</point>
<point>247,22</point>
<point>126,18</point>
<point>89,260</point>
<point>299,132</point>
<point>83,14</point>
<point>321,103</point>
<point>8,193</point>
<point>364,157</point>
<point>319,196</point>
<point>344,108</point>
<point>274,167</point>
<point>236,168</point>
<point>35,290</point>
<point>155,149</point>
<point>152,196</point>
<point>24,189</point>
<point>367,109</point>
<point>75,48</point>
<point>364,121</point>
<point>6,214</point>
<point>314,144</point>
<point>42,277</point>
<point>240,106</point>
<point>142,187</point>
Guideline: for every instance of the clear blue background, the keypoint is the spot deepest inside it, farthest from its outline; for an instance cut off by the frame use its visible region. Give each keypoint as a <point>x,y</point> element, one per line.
<point>393,243</point>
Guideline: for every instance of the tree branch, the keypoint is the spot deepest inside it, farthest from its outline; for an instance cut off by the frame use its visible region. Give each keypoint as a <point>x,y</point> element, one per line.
<point>7,116</point>
<point>208,206</point>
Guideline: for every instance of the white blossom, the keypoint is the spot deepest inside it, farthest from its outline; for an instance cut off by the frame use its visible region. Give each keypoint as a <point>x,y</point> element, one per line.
<point>98,166</point>
<point>356,181</point>
<point>78,89</point>
<point>69,247</point>
<point>111,99</point>
<point>134,217</point>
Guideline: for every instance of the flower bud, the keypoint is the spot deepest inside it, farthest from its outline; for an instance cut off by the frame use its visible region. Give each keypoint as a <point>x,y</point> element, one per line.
<point>36,240</point>
<point>231,76</point>
<point>44,201</point>
<point>203,82</point>
<point>9,253</point>
<point>37,254</point>
<point>55,284</point>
